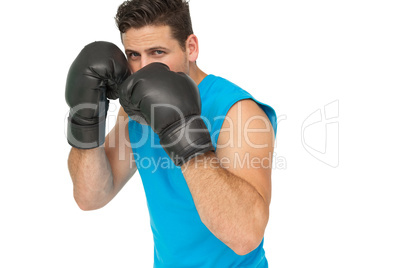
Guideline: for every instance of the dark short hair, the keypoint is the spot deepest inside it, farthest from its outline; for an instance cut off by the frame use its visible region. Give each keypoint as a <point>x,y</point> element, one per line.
<point>140,13</point>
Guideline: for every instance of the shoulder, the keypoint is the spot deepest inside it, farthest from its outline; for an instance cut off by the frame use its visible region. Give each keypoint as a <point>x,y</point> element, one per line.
<point>219,94</point>
<point>235,97</point>
<point>247,108</point>
<point>246,121</point>
<point>218,82</point>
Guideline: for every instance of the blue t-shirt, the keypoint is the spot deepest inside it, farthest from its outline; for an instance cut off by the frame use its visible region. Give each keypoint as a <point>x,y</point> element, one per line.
<point>180,238</point>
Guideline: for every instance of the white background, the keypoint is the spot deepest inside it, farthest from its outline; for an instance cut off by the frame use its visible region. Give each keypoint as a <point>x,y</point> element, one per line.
<point>297,56</point>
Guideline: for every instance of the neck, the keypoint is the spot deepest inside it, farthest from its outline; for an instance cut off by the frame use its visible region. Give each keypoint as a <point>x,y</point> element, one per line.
<point>196,73</point>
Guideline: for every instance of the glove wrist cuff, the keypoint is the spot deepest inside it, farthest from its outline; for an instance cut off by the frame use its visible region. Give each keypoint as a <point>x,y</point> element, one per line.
<point>86,136</point>
<point>185,140</point>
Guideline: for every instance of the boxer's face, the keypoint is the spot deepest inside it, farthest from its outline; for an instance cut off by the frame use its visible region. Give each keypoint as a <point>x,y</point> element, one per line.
<point>154,44</point>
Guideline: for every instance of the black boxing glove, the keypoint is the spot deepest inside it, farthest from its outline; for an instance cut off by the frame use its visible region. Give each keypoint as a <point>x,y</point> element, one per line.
<point>94,76</point>
<point>170,103</point>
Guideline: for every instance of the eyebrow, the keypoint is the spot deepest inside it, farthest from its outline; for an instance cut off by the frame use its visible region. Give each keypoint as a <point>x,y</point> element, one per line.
<point>147,50</point>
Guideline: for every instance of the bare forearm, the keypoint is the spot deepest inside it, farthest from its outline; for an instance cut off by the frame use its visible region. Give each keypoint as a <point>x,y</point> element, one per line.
<point>92,177</point>
<point>229,206</point>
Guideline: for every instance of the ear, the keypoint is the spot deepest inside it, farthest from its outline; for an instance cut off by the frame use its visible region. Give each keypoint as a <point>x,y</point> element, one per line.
<point>192,48</point>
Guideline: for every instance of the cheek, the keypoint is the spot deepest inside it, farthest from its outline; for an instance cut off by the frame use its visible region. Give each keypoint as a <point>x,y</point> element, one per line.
<point>171,63</point>
<point>133,67</point>
<point>178,64</point>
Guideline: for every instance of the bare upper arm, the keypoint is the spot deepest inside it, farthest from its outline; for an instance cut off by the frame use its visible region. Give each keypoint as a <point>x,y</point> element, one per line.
<point>245,145</point>
<point>119,152</point>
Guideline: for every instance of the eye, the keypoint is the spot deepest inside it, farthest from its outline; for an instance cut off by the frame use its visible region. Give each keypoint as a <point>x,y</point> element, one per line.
<point>158,52</point>
<point>133,55</point>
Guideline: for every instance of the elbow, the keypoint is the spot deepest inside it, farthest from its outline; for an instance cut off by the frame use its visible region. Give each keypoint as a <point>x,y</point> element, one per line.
<point>253,235</point>
<point>86,205</point>
<point>247,245</point>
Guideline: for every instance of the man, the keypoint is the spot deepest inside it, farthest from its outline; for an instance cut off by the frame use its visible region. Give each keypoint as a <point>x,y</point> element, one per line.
<point>207,182</point>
